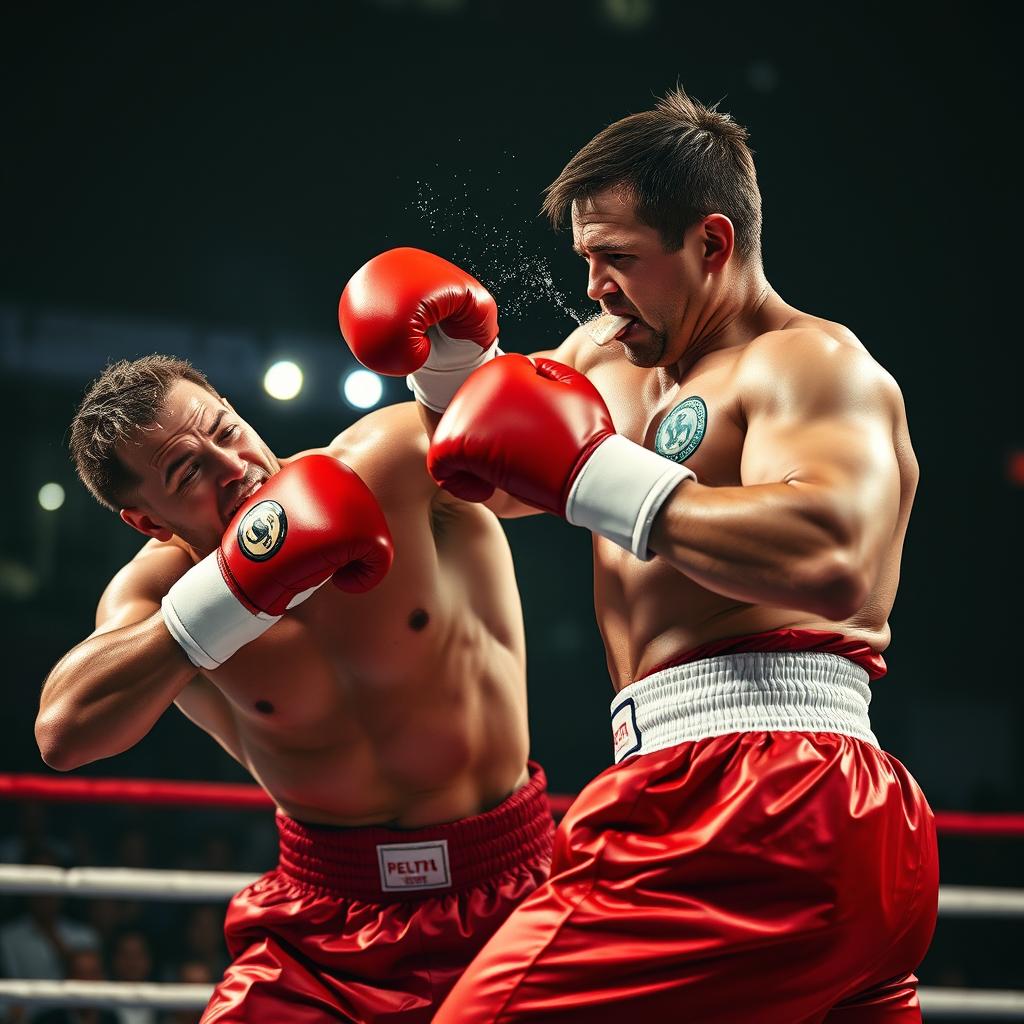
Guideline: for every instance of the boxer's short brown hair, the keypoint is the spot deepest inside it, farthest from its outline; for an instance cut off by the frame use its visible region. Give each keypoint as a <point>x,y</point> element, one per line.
<point>126,397</point>
<point>679,163</point>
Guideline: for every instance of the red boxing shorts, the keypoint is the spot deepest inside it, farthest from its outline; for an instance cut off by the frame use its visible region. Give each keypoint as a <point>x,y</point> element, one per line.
<point>753,856</point>
<point>374,924</point>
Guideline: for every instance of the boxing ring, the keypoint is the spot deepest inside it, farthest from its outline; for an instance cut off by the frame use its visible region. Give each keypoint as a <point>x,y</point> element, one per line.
<point>199,886</point>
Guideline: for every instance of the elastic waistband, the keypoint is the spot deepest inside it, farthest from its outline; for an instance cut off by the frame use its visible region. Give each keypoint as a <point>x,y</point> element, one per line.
<point>392,865</point>
<point>785,640</point>
<point>758,692</point>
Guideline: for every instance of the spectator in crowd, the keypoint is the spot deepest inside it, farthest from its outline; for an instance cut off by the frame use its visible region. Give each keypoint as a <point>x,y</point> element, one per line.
<point>190,972</point>
<point>83,965</point>
<point>131,960</point>
<point>39,943</point>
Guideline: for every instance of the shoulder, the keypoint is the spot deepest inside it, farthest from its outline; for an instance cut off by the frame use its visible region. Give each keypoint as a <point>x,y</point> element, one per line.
<point>388,449</point>
<point>812,365</point>
<point>138,587</point>
<point>581,349</point>
<point>393,434</point>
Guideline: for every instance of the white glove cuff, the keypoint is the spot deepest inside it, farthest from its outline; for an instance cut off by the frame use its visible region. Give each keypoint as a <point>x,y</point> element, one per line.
<point>206,619</point>
<point>619,491</point>
<point>450,362</point>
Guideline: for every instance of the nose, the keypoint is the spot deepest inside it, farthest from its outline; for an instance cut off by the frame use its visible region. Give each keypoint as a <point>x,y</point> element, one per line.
<point>230,466</point>
<point>599,283</point>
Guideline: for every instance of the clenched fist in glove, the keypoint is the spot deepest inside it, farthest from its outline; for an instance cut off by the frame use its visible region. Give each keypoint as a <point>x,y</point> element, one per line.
<point>312,522</point>
<point>407,311</point>
<point>541,432</point>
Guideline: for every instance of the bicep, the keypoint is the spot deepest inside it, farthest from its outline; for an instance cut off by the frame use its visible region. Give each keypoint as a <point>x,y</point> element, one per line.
<point>840,450</point>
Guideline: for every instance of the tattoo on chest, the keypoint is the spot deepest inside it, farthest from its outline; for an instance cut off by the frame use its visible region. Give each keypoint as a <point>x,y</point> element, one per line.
<point>682,430</point>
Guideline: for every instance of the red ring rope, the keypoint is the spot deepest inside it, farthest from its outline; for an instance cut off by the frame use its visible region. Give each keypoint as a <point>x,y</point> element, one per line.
<point>225,794</point>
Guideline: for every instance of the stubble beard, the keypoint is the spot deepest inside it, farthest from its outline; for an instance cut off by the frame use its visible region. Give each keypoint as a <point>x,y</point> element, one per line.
<point>647,354</point>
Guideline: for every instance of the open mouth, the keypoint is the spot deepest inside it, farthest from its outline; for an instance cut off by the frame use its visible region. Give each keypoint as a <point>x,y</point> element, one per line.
<point>243,498</point>
<point>614,330</point>
<point>623,331</point>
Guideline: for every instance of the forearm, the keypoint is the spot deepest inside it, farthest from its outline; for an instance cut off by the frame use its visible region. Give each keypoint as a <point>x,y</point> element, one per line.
<point>105,694</point>
<point>787,545</point>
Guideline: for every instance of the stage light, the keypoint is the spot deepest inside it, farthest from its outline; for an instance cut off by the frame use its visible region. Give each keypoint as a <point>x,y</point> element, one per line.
<point>362,389</point>
<point>51,496</point>
<point>283,380</point>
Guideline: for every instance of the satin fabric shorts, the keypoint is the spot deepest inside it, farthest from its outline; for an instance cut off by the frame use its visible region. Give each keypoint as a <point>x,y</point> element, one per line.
<point>766,875</point>
<point>373,924</point>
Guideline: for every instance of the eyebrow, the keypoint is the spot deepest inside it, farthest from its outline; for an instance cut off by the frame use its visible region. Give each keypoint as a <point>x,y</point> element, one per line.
<point>609,246</point>
<point>170,470</point>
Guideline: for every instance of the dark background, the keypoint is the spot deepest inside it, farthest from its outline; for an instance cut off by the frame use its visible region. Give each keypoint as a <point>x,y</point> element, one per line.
<point>204,179</point>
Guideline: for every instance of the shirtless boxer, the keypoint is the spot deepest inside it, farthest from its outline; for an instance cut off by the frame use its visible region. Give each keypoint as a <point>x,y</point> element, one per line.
<point>748,476</point>
<point>385,716</point>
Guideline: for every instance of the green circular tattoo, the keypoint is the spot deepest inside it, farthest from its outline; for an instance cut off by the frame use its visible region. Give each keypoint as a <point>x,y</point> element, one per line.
<point>682,430</point>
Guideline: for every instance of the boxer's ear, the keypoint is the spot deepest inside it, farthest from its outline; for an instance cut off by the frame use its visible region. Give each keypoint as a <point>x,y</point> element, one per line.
<point>138,520</point>
<point>718,239</point>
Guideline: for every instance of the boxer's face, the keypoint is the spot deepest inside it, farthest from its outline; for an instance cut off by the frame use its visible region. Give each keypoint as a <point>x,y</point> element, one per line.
<point>632,274</point>
<point>197,464</point>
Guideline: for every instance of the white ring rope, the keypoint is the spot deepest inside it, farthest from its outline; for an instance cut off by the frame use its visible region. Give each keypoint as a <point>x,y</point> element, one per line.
<point>936,1003</point>
<point>975,901</point>
<point>971,1004</point>
<point>107,994</point>
<point>197,886</point>
<point>176,886</point>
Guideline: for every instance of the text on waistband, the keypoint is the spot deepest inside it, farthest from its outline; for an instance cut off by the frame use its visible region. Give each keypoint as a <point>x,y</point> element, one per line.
<point>414,865</point>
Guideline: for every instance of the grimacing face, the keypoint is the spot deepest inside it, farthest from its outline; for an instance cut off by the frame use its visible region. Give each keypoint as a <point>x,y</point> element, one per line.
<point>197,464</point>
<point>632,274</point>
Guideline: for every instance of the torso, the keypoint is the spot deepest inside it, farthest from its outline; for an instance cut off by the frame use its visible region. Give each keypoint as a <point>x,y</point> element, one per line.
<point>648,612</point>
<point>403,706</point>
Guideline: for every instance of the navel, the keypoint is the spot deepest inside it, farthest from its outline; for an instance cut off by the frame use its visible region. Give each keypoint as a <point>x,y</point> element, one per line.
<point>264,707</point>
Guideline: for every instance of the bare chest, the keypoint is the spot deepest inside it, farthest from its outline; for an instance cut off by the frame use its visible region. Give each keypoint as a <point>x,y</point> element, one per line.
<point>697,423</point>
<point>314,670</point>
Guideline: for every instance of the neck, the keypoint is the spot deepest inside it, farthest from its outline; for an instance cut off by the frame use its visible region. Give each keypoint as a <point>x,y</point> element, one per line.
<point>741,312</point>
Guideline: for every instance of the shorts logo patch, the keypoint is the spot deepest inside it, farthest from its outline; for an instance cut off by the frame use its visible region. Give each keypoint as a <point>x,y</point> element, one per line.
<point>414,866</point>
<point>682,430</point>
<point>262,530</point>
<point>625,734</point>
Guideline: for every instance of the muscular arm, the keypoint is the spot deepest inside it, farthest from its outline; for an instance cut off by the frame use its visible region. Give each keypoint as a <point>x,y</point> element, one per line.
<point>820,496</point>
<point>105,694</point>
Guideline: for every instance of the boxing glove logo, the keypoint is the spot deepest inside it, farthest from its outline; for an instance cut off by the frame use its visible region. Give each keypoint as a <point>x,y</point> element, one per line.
<point>262,530</point>
<point>682,430</point>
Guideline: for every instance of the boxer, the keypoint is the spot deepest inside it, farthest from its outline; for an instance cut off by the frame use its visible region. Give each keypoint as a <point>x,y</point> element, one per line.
<point>746,471</point>
<point>351,634</point>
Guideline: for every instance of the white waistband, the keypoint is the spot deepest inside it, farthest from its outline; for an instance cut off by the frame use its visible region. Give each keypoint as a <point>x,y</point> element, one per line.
<point>796,691</point>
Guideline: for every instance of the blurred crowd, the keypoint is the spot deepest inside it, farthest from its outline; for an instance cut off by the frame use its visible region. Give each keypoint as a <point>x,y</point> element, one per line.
<point>90,939</point>
<point>101,939</point>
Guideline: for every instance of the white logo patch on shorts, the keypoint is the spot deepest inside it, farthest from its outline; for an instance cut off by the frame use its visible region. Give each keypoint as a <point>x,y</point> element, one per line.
<point>414,866</point>
<point>625,734</point>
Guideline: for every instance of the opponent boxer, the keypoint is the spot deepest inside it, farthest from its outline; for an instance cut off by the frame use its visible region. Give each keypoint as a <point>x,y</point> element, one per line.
<point>747,473</point>
<point>383,709</point>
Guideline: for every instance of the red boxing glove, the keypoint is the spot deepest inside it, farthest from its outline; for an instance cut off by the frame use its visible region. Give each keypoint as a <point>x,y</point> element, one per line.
<point>407,311</point>
<point>521,427</point>
<point>542,433</point>
<point>313,521</point>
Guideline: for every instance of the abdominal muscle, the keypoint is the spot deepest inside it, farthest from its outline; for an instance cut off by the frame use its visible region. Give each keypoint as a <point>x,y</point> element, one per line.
<point>347,715</point>
<point>650,614</point>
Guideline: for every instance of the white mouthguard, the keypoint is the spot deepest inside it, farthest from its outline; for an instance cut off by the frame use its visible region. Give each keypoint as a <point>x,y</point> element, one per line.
<point>603,336</point>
